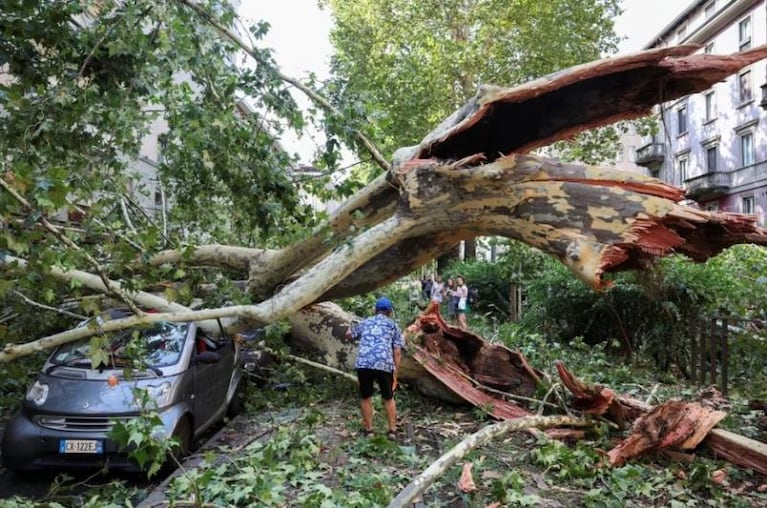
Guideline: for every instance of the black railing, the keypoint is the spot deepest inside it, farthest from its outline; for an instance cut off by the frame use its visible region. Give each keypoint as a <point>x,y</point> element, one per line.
<point>651,153</point>
<point>708,185</point>
<point>710,348</point>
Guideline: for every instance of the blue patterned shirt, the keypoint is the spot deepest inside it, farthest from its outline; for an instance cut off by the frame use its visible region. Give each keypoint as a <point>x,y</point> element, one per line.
<point>377,335</point>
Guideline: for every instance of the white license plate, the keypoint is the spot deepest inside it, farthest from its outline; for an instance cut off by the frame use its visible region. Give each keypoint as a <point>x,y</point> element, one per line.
<point>81,446</point>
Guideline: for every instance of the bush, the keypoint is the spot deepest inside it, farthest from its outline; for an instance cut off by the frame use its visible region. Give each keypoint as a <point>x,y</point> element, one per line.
<point>651,311</point>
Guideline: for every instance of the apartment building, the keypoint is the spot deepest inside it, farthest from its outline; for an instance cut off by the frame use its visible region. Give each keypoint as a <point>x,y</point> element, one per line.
<point>714,143</point>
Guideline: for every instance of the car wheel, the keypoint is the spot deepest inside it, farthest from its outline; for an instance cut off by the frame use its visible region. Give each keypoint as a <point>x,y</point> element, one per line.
<point>238,400</point>
<point>183,434</point>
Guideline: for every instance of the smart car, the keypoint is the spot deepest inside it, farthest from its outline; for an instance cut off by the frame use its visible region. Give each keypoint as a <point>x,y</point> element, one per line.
<point>192,379</point>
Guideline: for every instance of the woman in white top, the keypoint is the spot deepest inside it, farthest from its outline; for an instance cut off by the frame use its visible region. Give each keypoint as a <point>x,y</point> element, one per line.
<point>463,300</point>
<point>437,289</point>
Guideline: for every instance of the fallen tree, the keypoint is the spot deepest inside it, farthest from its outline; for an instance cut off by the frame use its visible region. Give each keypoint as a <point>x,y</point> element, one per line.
<point>472,176</point>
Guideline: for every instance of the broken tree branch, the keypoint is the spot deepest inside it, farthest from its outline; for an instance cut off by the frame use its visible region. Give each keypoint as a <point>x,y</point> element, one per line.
<point>314,96</point>
<point>483,436</point>
<point>33,303</point>
<point>310,363</point>
<point>739,450</point>
<point>55,231</point>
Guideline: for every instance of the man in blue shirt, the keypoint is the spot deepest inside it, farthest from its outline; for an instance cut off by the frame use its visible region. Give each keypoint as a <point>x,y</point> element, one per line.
<point>378,359</point>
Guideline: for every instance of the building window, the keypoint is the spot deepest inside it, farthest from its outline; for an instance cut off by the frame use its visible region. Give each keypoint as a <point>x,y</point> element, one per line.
<point>744,86</point>
<point>681,166</point>
<point>710,103</point>
<point>744,34</point>
<point>711,159</point>
<point>681,120</point>
<point>709,9</point>
<point>747,155</point>
<point>709,48</point>
<point>162,148</point>
<point>747,204</point>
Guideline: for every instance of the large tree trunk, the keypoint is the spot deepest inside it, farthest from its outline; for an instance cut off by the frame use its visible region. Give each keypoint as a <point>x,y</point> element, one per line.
<point>472,177</point>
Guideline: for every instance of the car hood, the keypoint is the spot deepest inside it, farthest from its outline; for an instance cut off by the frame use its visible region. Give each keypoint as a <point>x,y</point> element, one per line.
<point>88,397</point>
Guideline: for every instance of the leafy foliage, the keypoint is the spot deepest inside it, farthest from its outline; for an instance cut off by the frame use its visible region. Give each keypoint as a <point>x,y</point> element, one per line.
<point>143,438</point>
<point>656,312</point>
<point>86,89</point>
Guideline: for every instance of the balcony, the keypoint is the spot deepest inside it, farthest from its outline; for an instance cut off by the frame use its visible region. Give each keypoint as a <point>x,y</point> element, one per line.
<point>763,102</point>
<point>651,154</point>
<point>708,186</point>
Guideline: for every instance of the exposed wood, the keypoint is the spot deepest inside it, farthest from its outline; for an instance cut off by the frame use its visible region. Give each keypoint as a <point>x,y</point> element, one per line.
<point>592,399</point>
<point>673,424</point>
<point>419,485</point>
<point>456,357</point>
<point>489,123</point>
<point>737,449</point>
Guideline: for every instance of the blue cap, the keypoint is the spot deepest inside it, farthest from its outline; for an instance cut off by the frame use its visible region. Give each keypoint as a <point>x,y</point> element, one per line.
<point>384,304</point>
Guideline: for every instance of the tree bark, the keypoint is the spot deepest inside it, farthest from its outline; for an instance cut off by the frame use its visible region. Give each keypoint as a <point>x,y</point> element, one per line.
<point>470,177</point>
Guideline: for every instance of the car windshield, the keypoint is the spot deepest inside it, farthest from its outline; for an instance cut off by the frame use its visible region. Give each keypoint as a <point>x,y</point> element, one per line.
<point>158,345</point>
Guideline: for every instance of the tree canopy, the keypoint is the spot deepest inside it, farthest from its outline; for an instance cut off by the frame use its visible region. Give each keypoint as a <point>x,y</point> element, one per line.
<point>402,66</point>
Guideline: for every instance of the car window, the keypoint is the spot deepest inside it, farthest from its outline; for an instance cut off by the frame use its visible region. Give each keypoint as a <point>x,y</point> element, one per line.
<point>159,344</point>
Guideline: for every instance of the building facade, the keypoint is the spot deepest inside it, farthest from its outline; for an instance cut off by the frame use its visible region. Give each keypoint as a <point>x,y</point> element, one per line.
<point>714,143</point>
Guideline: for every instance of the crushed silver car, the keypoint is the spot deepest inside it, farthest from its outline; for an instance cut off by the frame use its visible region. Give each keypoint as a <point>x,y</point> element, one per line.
<point>193,379</point>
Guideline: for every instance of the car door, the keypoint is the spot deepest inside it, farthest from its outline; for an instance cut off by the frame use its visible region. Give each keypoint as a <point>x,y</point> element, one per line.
<point>211,380</point>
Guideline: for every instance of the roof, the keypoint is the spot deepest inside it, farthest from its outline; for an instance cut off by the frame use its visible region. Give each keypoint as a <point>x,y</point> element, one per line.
<point>674,23</point>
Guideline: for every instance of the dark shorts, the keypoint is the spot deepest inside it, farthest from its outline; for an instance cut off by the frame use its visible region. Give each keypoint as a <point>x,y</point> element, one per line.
<point>367,377</point>
<point>452,306</point>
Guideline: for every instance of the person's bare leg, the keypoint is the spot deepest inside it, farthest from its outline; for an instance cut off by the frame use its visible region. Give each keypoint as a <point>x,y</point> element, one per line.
<point>391,414</point>
<point>462,321</point>
<point>366,406</point>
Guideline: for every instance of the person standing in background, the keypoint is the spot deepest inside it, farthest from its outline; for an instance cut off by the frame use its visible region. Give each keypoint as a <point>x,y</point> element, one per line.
<point>426,287</point>
<point>463,301</point>
<point>452,301</point>
<point>438,290</point>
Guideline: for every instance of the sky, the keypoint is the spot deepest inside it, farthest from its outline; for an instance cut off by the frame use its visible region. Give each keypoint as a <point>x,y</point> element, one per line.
<point>299,36</point>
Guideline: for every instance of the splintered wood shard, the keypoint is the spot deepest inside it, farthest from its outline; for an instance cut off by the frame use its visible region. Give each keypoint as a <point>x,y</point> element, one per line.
<point>469,365</point>
<point>562,104</point>
<point>592,399</point>
<point>673,424</point>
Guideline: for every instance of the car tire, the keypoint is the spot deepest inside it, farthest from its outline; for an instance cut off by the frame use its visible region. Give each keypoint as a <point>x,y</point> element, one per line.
<point>182,433</point>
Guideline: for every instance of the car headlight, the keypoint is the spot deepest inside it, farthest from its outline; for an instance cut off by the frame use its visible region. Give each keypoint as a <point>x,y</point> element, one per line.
<point>38,393</point>
<point>160,394</point>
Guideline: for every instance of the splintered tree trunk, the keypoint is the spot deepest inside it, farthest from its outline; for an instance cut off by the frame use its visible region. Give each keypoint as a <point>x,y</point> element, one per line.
<point>472,176</point>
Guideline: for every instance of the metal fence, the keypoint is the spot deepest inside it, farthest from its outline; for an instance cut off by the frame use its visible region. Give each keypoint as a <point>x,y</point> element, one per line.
<point>711,347</point>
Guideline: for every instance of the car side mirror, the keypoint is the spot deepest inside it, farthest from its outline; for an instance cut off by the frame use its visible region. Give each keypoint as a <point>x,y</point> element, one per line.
<point>208,357</point>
